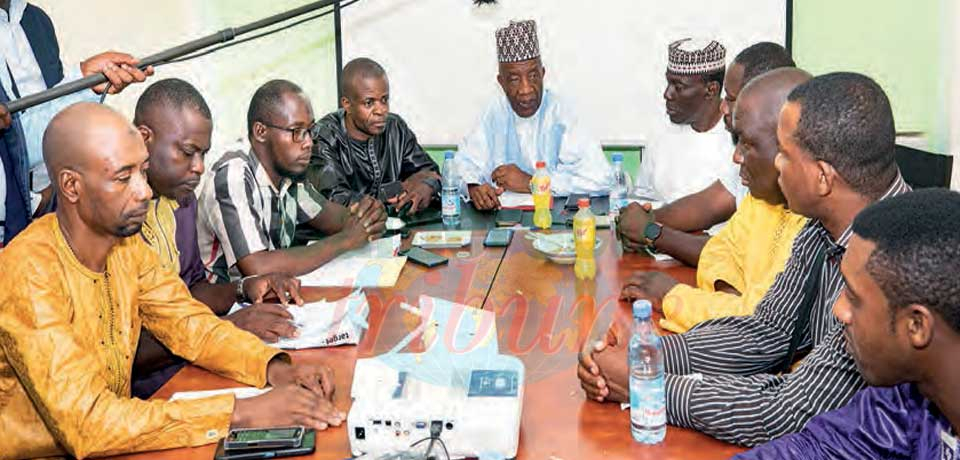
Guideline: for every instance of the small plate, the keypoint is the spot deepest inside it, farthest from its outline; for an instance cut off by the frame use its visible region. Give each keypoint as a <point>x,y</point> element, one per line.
<point>558,247</point>
<point>442,239</point>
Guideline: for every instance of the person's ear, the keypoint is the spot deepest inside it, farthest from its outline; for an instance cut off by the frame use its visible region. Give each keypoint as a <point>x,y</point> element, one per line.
<point>713,89</point>
<point>543,72</point>
<point>502,81</point>
<point>259,132</point>
<point>69,184</point>
<point>345,103</point>
<point>827,178</point>
<point>920,321</point>
<point>146,133</point>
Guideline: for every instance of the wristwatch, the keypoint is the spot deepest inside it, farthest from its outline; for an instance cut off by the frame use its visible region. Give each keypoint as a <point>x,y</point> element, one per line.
<point>242,296</point>
<point>651,233</point>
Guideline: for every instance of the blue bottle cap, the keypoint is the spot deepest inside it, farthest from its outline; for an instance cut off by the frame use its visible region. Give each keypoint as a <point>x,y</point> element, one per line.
<point>617,157</point>
<point>642,309</point>
<point>448,154</point>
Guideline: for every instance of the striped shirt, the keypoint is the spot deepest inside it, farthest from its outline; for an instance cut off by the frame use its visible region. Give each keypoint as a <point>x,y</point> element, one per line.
<point>718,374</point>
<point>242,212</point>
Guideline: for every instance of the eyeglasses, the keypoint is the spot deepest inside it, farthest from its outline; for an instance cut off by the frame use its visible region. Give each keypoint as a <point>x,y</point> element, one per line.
<point>299,134</point>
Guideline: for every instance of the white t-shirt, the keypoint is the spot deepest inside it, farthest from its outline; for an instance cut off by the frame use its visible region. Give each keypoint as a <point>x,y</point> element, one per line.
<point>679,161</point>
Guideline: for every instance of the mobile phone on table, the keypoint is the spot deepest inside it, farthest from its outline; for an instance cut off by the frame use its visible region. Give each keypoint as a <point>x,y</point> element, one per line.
<point>424,257</point>
<point>263,438</point>
<point>509,217</point>
<point>498,238</point>
<point>306,447</point>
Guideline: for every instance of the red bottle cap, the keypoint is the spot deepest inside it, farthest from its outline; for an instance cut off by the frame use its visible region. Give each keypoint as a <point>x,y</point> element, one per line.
<point>583,203</point>
<point>541,164</point>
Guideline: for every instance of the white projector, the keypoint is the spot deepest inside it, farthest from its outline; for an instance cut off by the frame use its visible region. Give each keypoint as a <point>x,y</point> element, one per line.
<point>460,391</point>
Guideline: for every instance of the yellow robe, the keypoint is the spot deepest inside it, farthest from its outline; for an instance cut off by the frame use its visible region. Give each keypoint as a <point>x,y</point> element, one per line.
<point>69,335</point>
<point>748,253</point>
<point>160,231</point>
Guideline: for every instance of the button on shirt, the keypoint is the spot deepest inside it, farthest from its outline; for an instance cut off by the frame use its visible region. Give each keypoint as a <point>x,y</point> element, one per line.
<point>242,212</point>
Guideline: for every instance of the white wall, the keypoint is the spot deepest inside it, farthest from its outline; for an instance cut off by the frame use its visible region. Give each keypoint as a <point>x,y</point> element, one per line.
<point>608,56</point>
<point>228,78</point>
<point>952,55</point>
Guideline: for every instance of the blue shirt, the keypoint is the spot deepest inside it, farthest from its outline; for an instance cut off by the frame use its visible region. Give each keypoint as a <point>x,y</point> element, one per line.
<point>879,422</point>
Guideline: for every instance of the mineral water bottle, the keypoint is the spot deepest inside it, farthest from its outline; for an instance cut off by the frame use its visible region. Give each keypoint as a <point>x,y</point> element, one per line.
<point>585,241</point>
<point>540,188</point>
<point>450,192</point>
<point>619,188</point>
<point>648,410</point>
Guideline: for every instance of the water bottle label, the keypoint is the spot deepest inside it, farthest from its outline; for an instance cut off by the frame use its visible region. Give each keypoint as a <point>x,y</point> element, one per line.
<point>450,204</point>
<point>648,407</point>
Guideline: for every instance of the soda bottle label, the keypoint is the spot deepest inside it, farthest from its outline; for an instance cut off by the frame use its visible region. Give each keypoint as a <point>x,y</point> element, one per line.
<point>450,204</point>
<point>541,185</point>
<point>585,234</point>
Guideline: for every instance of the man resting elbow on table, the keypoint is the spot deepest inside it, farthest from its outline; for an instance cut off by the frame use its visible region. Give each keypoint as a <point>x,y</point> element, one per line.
<point>524,125</point>
<point>739,263</point>
<point>176,124</point>
<point>78,284</point>
<point>251,204</point>
<point>667,229</point>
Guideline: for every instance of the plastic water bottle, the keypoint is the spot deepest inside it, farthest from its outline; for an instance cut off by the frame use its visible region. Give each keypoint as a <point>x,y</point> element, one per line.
<point>619,188</point>
<point>648,409</point>
<point>585,241</point>
<point>540,188</point>
<point>450,192</point>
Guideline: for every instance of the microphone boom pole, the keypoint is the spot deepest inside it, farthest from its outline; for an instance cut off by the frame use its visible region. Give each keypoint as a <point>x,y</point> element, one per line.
<point>222,36</point>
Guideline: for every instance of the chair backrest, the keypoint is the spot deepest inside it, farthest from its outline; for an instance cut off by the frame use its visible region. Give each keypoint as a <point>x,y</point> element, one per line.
<point>923,169</point>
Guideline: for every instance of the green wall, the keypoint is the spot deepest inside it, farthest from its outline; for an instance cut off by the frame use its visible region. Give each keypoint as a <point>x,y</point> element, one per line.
<point>900,43</point>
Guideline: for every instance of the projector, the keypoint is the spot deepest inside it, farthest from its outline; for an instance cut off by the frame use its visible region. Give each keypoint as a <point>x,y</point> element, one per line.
<point>459,395</point>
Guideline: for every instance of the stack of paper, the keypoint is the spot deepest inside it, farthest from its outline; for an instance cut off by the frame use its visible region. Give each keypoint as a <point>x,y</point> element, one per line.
<point>239,393</point>
<point>516,200</point>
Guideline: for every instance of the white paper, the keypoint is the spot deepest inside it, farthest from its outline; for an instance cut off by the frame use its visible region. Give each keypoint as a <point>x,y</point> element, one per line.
<point>380,248</point>
<point>515,200</point>
<point>239,393</point>
<point>356,272</point>
<point>325,324</point>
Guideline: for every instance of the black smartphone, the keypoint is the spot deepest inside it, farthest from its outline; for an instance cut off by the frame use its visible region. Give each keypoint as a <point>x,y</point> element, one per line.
<point>498,238</point>
<point>424,257</point>
<point>389,190</point>
<point>263,438</point>
<point>306,447</point>
<point>509,217</point>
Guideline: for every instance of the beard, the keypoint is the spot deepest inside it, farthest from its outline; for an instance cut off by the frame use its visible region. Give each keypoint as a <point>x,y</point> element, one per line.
<point>296,176</point>
<point>128,230</point>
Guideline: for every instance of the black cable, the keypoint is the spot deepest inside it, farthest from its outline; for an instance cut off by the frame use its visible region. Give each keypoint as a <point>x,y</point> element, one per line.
<point>254,37</point>
<point>444,445</point>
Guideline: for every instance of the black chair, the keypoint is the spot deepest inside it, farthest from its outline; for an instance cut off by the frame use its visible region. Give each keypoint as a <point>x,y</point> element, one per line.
<point>923,169</point>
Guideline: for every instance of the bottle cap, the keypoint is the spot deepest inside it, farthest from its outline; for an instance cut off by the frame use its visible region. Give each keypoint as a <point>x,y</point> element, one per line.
<point>541,164</point>
<point>448,154</point>
<point>617,157</point>
<point>642,309</point>
<point>583,203</point>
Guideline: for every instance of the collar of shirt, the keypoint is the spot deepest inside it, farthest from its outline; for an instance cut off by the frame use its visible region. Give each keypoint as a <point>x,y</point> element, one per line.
<point>17,7</point>
<point>837,248</point>
<point>263,179</point>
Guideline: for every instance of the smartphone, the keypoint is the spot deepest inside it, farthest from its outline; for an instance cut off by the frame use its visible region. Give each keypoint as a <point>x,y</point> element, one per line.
<point>424,257</point>
<point>498,238</point>
<point>509,217</point>
<point>389,190</point>
<point>306,447</point>
<point>263,438</point>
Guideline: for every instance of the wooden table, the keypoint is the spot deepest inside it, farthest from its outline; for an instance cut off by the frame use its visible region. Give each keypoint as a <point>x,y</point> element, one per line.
<point>543,313</point>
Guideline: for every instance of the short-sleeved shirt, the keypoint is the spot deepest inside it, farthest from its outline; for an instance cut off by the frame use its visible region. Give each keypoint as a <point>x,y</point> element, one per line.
<point>241,212</point>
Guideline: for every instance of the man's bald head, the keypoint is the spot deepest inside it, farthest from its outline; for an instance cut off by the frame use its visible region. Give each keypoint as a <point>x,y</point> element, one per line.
<point>97,163</point>
<point>82,132</point>
<point>767,93</point>
<point>357,69</point>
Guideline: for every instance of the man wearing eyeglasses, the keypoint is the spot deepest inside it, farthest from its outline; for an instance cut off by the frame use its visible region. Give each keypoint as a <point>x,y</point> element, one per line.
<point>363,149</point>
<point>251,203</point>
